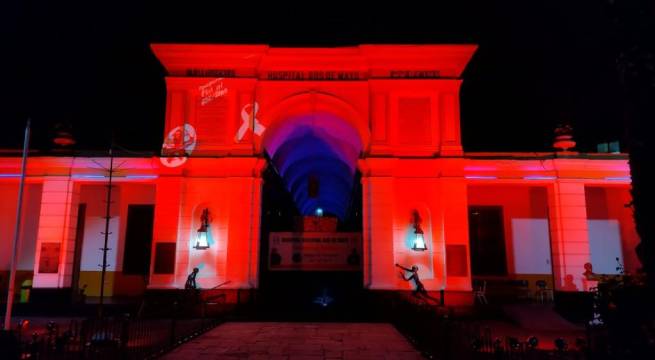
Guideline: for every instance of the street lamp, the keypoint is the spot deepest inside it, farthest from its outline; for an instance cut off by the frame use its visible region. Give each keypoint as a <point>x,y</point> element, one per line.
<point>202,242</point>
<point>419,241</point>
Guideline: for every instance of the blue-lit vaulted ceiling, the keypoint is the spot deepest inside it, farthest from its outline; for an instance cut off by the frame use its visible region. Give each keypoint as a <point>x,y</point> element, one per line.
<point>319,146</point>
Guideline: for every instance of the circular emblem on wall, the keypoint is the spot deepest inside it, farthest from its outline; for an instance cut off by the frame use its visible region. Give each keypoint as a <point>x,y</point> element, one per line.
<point>178,145</point>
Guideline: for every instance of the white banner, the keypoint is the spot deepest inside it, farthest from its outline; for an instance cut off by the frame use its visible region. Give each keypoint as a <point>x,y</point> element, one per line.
<point>315,251</point>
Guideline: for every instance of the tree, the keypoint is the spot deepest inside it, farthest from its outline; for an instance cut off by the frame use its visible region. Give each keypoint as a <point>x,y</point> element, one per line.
<point>633,27</point>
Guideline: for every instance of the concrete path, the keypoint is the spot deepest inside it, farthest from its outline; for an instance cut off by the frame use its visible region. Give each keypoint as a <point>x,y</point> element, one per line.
<point>293,341</point>
<point>539,317</point>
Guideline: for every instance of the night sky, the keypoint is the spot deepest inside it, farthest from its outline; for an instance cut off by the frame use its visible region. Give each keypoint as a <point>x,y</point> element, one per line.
<point>538,63</point>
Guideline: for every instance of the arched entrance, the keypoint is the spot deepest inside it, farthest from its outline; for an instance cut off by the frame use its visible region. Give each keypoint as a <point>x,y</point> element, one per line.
<point>311,176</point>
<point>315,118</point>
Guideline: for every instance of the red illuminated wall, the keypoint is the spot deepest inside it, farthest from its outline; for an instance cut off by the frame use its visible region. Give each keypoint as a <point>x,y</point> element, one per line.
<point>93,194</point>
<point>400,101</point>
<point>610,203</point>
<point>30,223</point>
<point>517,202</point>
<point>50,209</point>
<point>403,100</point>
<point>396,106</point>
<point>393,189</point>
<point>230,189</point>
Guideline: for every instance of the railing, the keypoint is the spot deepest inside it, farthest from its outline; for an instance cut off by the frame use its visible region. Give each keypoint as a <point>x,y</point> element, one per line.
<point>113,338</point>
<point>439,335</point>
<point>117,337</point>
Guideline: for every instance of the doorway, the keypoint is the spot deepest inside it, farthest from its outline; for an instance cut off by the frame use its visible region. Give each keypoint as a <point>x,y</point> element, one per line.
<point>487,241</point>
<point>299,294</point>
<point>137,251</point>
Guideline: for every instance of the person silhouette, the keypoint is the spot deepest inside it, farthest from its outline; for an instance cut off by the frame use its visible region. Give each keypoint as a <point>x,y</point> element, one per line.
<point>276,259</point>
<point>589,282</point>
<point>569,284</point>
<point>420,289</point>
<point>191,287</point>
<point>588,271</point>
<point>191,280</point>
<point>353,258</point>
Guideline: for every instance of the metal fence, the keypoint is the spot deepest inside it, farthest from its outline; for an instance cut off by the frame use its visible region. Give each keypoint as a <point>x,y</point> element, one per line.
<point>113,338</point>
<point>439,335</point>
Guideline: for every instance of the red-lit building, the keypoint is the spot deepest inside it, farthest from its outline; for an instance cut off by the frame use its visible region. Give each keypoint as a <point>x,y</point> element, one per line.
<point>323,117</point>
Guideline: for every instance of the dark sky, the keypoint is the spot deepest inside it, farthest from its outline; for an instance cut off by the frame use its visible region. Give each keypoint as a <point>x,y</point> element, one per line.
<point>538,63</point>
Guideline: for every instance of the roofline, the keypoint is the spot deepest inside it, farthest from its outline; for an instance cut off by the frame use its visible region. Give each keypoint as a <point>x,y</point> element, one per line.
<point>368,60</point>
<point>545,155</point>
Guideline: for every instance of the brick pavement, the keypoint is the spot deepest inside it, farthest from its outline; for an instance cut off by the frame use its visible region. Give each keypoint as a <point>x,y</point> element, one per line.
<point>295,341</point>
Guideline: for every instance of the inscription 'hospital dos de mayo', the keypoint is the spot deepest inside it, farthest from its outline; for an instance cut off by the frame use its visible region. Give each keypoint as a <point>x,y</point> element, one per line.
<point>349,75</point>
<point>318,75</point>
<point>315,75</point>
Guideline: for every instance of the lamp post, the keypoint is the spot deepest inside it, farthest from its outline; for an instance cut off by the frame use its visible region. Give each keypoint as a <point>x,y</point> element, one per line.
<point>16,242</point>
<point>106,233</point>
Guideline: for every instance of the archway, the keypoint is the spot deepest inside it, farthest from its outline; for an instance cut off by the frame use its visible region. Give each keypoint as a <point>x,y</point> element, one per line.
<point>312,168</point>
<point>318,146</point>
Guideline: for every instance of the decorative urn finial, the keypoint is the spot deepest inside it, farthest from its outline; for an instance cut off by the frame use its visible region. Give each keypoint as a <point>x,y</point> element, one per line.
<point>63,135</point>
<point>563,138</point>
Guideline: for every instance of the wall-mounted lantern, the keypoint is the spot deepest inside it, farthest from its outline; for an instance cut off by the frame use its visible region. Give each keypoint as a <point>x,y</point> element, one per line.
<point>202,242</point>
<point>419,241</point>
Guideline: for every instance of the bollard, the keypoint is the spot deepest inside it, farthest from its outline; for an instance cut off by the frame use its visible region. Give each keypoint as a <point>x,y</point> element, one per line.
<point>25,288</point>
<point>173,323</point>
<point>125,334</point>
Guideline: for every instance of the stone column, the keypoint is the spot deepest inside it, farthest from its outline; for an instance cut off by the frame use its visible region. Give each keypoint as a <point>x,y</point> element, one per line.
<point>255,231</point>
<point>379,270</point>
<point>569,234</point>
<point>55,244</point>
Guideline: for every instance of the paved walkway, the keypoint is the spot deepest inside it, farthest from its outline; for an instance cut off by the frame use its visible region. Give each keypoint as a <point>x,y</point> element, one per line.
<point>539,317</point>
<point>293,341</point>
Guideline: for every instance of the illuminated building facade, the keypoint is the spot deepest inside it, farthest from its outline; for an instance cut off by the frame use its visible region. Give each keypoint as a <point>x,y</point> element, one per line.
<point>388,114</point>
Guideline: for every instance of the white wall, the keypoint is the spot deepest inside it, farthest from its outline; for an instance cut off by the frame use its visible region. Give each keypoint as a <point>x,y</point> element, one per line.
<point>94,196</point>
<point>605,245</point>
<point>94,241</point>
<point>531,246</point>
